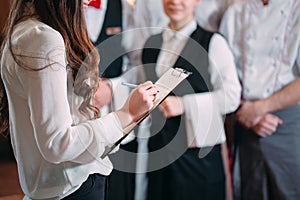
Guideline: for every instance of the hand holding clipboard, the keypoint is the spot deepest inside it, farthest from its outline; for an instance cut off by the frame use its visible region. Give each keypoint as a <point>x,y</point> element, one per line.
<point>167,82</point>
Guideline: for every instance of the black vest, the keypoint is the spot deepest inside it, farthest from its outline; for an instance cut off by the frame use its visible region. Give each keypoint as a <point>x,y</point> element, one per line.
<point>110,49</point>
<point>193,58</point>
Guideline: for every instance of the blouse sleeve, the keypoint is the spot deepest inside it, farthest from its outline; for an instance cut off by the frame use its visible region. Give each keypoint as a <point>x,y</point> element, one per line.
<point>225,97</point>
<point>57,138</point>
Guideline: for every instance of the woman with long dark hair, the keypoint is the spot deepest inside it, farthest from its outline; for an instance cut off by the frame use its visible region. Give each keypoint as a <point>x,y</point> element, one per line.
<point>50,100</point>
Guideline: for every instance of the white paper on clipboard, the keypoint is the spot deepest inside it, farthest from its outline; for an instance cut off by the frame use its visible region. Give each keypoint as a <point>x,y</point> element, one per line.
<point>165,84</point>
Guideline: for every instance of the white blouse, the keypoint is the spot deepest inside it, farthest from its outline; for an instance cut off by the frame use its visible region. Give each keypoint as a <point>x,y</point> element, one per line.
<point>56,148</point>
<point>265,41</point>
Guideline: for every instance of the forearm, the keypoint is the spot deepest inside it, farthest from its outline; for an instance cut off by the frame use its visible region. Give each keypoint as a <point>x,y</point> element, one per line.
<point>124,117</point>
<point>287,96</point>
<point>251,112</point>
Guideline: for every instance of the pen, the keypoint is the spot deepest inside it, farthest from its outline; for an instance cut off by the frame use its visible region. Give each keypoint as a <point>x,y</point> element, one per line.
<point>131,85</point>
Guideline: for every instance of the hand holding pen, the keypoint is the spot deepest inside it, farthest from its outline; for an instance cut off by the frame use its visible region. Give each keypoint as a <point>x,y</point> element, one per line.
<point>137,107</point>
<point>148,92</point>
<point>139,102</point>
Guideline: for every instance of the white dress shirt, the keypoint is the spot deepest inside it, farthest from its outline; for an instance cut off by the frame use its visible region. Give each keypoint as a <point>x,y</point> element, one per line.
<point>95,19</point>
<point>204,110</point>
<point>266,49</point>
<point>55,146</point>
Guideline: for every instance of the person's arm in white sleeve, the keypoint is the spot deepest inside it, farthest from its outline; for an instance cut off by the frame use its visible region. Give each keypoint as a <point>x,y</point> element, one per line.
<point>229,25</point>
<point>56,136</point>
<point>58,139</point>
<point>226,87</point>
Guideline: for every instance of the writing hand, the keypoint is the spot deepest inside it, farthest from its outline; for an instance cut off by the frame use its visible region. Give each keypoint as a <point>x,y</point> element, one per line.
<point>141,99</point>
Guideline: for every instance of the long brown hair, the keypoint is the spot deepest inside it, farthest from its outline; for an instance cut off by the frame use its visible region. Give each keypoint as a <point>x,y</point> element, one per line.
<point>67,17</point>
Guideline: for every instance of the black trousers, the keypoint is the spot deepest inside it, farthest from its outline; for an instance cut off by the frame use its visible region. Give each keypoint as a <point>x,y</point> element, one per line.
<point>94,188</point>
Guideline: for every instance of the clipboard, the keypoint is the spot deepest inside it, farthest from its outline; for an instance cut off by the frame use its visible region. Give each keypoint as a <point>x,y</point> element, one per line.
<point>165,84</point>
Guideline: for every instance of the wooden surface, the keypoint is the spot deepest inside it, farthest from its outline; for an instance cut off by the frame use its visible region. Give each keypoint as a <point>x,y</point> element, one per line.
<point>12,197</point>
<point>9,182</point>
<point>4,8</point>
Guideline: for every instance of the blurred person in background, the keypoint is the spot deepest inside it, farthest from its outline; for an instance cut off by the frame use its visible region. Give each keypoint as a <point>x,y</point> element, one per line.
<point>264,37</point>
<point>185,153</point>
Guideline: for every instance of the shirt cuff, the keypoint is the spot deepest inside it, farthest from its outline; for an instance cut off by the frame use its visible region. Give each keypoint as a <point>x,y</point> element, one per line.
<point>113,126</point>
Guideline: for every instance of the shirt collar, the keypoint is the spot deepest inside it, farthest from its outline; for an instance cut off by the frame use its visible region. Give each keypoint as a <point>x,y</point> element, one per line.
<point>183,33</point>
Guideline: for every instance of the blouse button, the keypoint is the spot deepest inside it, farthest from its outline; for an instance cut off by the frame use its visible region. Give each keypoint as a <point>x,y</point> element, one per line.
<point>268,90</point>
<point>248,37</point>
<point>247,90</point>
<point>275,63</point>
<point>249,62</point>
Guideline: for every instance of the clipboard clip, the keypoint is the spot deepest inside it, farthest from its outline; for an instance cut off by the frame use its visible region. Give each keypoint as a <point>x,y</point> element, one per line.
<point>178,71</point>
